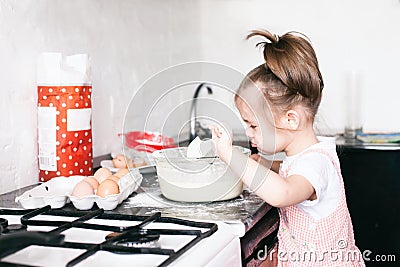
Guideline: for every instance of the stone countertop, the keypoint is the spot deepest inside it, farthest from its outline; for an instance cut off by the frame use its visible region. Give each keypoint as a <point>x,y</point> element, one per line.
<point>247,208</point>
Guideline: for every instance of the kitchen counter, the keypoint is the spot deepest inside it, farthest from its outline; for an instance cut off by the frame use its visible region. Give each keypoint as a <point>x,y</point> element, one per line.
<point>246,209</point>
<point>353,143</point>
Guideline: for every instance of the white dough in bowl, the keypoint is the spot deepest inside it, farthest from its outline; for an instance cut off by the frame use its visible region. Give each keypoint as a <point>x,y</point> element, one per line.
<point>198,148</point>
<point>200,179</point>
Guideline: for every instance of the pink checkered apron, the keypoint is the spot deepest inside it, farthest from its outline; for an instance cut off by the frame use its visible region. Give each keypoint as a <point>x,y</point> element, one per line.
<point>304,241</point>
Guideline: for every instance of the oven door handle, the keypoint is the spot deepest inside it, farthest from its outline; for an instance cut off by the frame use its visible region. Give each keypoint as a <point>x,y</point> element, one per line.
<point>10,243</point>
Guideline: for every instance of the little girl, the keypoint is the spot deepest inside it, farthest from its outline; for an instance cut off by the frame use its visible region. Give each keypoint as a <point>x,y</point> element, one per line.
<point>278,101</point>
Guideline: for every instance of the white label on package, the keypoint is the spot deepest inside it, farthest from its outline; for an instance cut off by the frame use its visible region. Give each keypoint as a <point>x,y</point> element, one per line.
<point>47,118</point>
<point>78,119</point>
<point>47,157</point>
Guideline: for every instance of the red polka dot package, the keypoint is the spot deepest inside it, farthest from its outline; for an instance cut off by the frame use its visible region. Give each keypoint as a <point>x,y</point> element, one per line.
<point>64,116</point>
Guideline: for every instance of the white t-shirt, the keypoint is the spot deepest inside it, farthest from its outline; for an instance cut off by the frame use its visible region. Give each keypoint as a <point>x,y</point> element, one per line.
<point>318,169</point>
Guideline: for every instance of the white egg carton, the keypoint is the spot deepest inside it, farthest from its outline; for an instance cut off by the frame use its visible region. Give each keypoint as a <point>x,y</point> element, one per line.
<point>57,193</point>
<point>127,185</point>
<point>143,169</point>
<point>54,193</point>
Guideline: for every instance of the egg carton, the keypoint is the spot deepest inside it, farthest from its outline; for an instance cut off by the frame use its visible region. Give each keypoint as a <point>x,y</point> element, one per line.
<point>149,168</point>
<point>53,192</point>
<point>127,185</point>
<point>133,154</point>
<point>57,193</point>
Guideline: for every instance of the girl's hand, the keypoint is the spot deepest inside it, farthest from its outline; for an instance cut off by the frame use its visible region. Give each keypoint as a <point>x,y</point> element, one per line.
<point>222,138</point>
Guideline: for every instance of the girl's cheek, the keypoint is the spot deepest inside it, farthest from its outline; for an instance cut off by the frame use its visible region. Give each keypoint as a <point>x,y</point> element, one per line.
<point>249,132</point>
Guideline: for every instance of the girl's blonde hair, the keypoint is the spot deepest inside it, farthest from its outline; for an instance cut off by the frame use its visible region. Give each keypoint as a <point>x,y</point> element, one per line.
<point>290,75</point>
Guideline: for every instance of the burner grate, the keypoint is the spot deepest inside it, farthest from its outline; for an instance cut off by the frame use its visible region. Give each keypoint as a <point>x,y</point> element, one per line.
<point>132,236</point>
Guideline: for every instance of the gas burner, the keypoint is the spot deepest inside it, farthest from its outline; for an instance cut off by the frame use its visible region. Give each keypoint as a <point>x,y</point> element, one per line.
<point>136,240</point>
<point>12,228</point>
<point>130,239</point>
<point>147,241</point>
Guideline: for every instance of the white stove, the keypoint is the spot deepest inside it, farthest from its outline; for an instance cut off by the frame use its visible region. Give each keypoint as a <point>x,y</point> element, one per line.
<point>46,237</point>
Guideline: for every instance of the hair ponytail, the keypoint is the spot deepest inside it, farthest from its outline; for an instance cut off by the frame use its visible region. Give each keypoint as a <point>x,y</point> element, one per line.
<point>273,38</point>
<point>292,60</point>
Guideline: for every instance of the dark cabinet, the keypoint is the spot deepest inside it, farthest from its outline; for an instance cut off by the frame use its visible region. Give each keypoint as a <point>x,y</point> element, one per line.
<point>372,179</point>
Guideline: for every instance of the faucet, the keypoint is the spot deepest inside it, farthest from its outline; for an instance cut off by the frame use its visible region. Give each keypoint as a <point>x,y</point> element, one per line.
<point>192,121</point>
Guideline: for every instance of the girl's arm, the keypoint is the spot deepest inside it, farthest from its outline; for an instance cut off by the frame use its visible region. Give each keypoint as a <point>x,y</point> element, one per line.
<point>267,184</point>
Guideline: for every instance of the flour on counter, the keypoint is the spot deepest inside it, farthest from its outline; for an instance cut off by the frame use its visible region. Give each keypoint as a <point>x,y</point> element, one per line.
<point>233,210</point>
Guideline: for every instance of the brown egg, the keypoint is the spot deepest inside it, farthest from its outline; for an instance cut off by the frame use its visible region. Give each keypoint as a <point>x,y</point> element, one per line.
<point>139,162</point>
<point>107,187</point>
<point>121,172</point>
<point>92,181</point>
<point>82,189</point>
<point>130,163</point>
<point>114,178</point>
<point>102,174</point>
<point>119,161</point>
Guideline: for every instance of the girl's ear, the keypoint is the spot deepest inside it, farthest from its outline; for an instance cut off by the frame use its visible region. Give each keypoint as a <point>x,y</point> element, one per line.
<point>291,120</point>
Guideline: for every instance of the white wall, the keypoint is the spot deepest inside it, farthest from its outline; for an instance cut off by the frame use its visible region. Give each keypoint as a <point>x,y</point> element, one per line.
<point>360,36</point>
<point>129,41</point>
